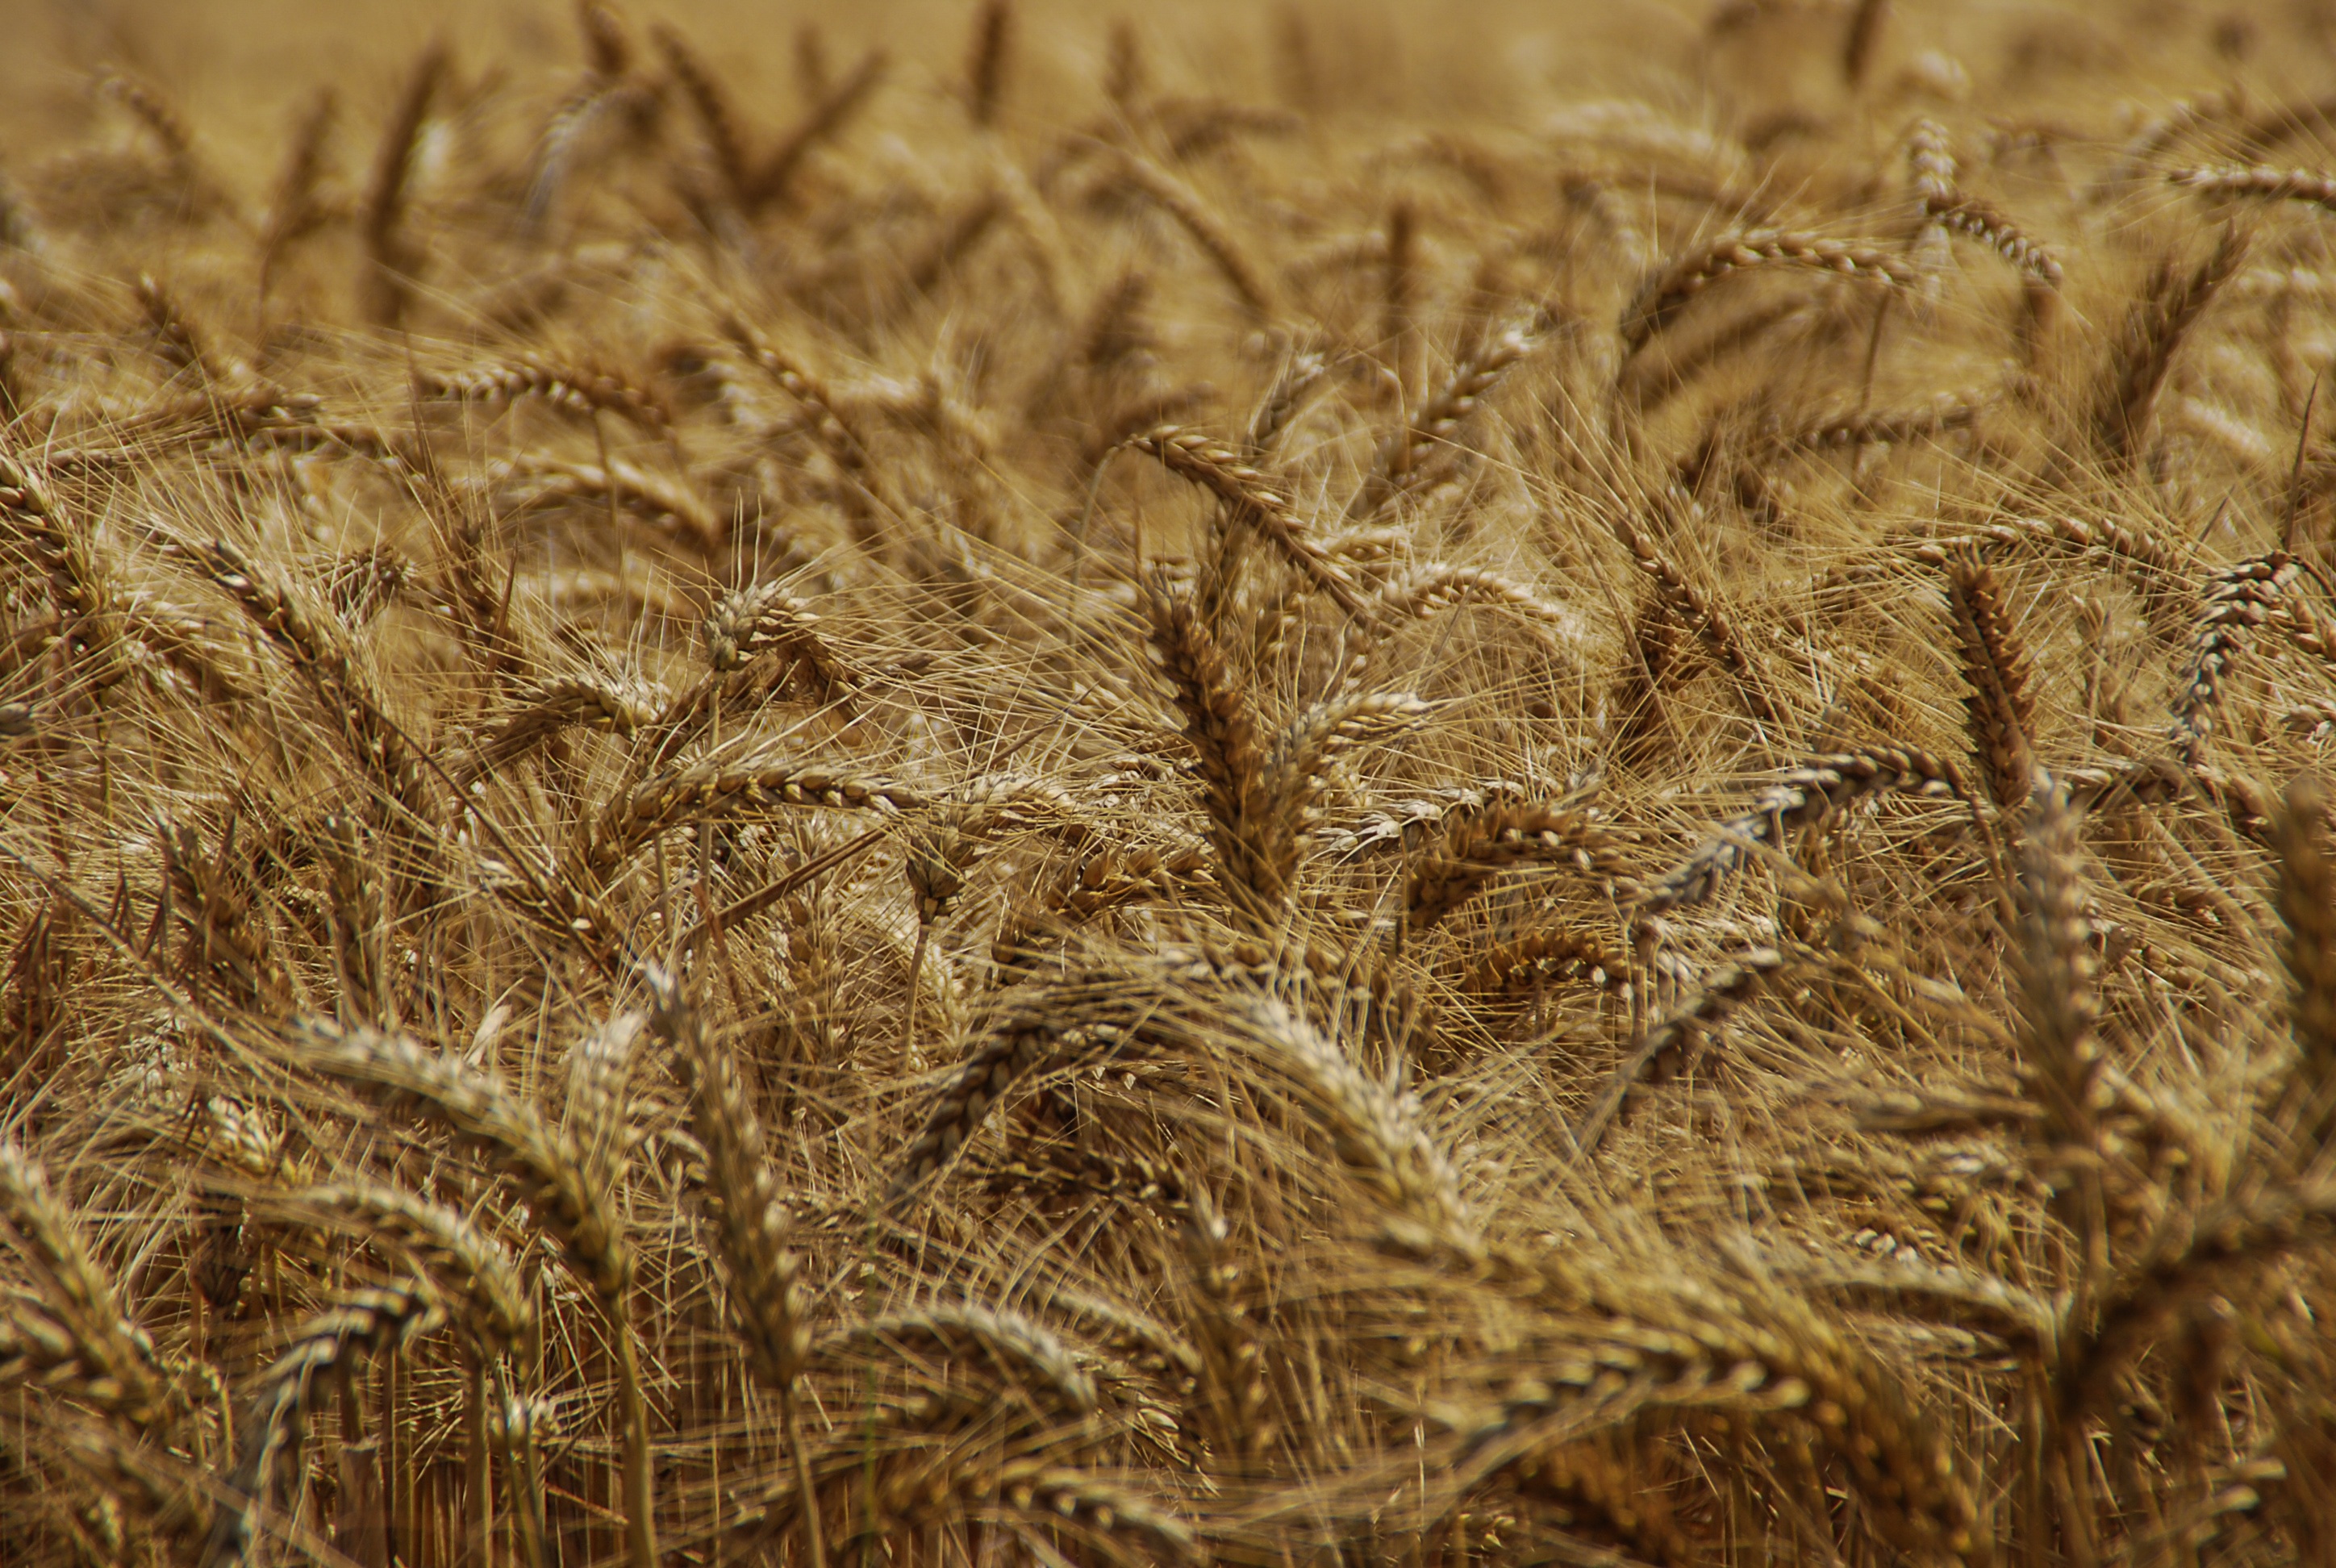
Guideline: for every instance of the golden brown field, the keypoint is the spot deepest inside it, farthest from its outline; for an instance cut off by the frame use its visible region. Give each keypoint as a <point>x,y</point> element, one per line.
<point>979,786</point>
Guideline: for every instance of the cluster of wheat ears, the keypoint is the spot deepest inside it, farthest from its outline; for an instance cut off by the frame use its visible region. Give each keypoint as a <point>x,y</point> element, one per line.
<point>1062,824</point>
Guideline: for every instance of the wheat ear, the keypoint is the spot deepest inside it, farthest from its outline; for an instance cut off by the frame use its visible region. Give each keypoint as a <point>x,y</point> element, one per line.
<point>1224,734</point>
<point>751,622</point>
<point>1801,798</point>
<point>541,712</point>
<point>2000,713</point>
<point>117,1365</point>
<point>579,389</point>
<point>2307,906</point>
<point>1253,502</point>
<point>1023,1353</point>
<point>373,742</point>
<point>2153,335</point>
<point>1479,847</point>
<point>772,181</point>
<point>2238,600</point>
<point>716,791</point>
<point>457,1258</point>
<point>1663,298</point>
<point>766,1294</point>
<point>2256,181</point>
<point>1177,199</point>
<point>1711,624</point>
<point>2227,1242</point>
<point>765,1297</point>
<point>1667,1048</point>
<point>389,283</point>
<point>2064,1056</point>
<point>567,1186</point>
<point>367,1322</point>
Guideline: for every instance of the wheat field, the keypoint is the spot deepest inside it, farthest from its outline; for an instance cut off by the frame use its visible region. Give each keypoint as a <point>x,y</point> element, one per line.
<point>980,784</point>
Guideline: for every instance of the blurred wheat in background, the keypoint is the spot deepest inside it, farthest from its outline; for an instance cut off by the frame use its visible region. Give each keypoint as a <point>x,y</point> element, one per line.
<point>991,785</point>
